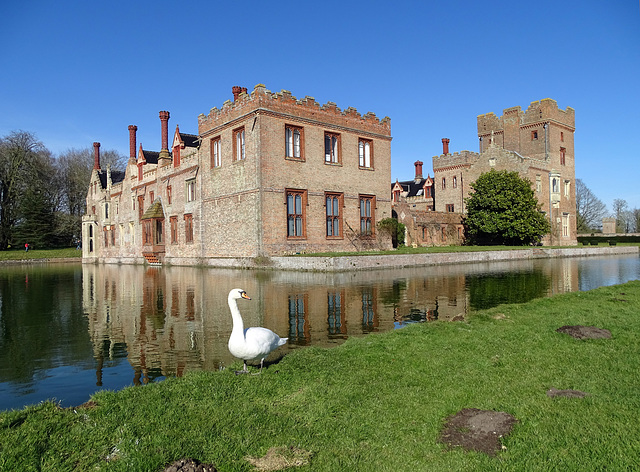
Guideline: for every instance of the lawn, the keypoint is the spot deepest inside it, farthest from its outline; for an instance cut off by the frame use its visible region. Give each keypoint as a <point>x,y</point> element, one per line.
<point>376,403</point>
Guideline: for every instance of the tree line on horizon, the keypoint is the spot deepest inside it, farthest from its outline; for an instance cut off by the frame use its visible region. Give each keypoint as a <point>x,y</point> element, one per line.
<point>43,196</point>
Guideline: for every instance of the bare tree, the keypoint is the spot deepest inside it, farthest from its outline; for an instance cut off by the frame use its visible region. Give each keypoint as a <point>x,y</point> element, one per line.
<point>621,214</point>
<point>589,208</point>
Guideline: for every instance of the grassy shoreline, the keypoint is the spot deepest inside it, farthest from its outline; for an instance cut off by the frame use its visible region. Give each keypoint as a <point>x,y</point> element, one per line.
<point>376,403</point>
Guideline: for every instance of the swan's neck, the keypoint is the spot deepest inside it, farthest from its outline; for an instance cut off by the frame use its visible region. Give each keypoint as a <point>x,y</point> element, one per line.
<point>238,325</point>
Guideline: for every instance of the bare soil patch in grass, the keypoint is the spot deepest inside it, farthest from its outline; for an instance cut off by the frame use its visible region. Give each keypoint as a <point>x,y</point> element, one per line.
<point>477,430</point>
<point>190,465</point>
<point>279,458</point>
<point>585,332</point>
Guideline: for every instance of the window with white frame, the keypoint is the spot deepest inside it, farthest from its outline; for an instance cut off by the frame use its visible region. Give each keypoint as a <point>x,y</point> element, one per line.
<point>293,142</point>
<point>239,144</point>
<point>191,190</point>
<point>216,159</point>
<point>365,153</point>
<point>331,148</point>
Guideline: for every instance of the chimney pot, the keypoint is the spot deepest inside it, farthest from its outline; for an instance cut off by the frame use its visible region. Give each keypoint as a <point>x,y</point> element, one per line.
<point>418,165</point>
<point>445,145</point>
<point>236,89</point>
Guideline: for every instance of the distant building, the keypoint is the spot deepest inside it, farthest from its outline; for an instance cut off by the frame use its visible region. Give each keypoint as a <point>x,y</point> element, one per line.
<point>537,143</point>
<point>267,174</point>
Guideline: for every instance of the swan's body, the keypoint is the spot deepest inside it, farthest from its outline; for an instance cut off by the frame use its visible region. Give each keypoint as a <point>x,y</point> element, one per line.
<point>251,343</point>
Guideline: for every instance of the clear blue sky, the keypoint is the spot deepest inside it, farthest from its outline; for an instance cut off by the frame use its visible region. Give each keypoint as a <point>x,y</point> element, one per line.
<point>78,72</point>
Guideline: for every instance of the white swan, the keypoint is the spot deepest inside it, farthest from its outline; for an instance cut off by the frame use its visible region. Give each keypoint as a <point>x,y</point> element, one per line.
<point>251,343</point>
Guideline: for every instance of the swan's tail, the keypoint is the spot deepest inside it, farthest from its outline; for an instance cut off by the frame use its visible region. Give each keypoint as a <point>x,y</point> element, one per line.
<point>282,341</point>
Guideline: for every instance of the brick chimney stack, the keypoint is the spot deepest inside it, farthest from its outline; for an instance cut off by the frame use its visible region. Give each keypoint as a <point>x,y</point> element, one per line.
<point>132,141</point>
<point>164,121</point>
<point>445,145</point>
<point>164,158</point>
<point>418,165</point>
<point>237,90</point>
<point>96,156</point>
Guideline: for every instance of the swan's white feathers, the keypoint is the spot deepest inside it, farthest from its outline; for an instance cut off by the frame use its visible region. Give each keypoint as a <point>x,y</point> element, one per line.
<point>251,343</point>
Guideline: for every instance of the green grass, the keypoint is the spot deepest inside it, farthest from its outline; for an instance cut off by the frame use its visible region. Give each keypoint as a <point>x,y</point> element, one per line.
<point>376,403</point>
<point>22,255</point>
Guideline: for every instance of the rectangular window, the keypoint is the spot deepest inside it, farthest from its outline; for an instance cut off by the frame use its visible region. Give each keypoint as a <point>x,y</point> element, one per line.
<point>140,206</point>
<point>538,184</point>
<point>296,213</point>
<point>428,191</point>
<point>191,190</point>
<point>151,195</point>
<point>216,159</point>
<point>367,209</point>
<point>567,188</point>
<point>293,142</point>
<point>454,182</point>
<point>169,194</point>
<point>331,148</point>
<point>534,135</point>
<point>450,208</point>
<point>159,231</point>
<point>444,183</point>
<point>562,136</point>
<point>563,153</point>
<point>146,233</point>
<point>333,203</point>
<point>173,221</point>
<point>188,228</point>
<point>565,224</point>
<point>365,153</point>
<point>239,144</point>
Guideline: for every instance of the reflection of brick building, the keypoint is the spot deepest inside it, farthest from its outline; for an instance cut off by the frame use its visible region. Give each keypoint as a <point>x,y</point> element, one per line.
<point>537,143</point>
<point>267,174</point>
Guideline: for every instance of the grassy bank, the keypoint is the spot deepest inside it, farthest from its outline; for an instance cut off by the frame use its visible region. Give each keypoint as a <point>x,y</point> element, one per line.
<point>376,403</point>
<point>22,255</point>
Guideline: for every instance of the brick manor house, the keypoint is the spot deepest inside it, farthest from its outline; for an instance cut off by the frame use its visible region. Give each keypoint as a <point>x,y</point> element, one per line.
<point>267,174</point>
<point>537,143</point>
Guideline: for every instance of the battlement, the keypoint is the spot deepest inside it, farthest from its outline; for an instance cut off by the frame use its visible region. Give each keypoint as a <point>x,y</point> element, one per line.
<point>284,102</point>
<point>455,159</point>
<point>541,110</point>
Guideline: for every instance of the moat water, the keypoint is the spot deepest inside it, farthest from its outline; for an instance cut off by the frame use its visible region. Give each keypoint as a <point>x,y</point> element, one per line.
<point>68,330</point>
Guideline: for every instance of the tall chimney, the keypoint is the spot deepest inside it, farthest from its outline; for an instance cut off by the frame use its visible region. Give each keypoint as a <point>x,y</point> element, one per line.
<point>164,121</point>
<point>164,158</point>
<point>96,156</point>
<point>418,165</point>
<point>445,145</point>
<point>132,141</point>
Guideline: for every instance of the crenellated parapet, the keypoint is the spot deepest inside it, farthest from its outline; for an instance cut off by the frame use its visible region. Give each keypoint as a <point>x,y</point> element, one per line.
<point>547,110</point>
<point>462,158</point>
<point>539,111</point>
<point>284,103</point>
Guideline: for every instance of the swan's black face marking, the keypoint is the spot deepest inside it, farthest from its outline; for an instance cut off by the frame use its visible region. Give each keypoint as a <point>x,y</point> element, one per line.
<point>243,294</point>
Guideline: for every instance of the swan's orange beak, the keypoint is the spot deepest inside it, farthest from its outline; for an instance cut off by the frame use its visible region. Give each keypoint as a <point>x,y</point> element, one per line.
<point>245,296</point>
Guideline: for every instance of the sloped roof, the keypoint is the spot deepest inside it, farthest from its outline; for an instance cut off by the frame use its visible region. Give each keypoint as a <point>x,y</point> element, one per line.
<point>151,156</point>
<point>116,177</point>
<point>412,187</point>
<point>154,211</point>
<point>190,140</point>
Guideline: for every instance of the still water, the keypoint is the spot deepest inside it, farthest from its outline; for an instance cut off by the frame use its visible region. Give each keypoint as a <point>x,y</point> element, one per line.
<point>68,330</point>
